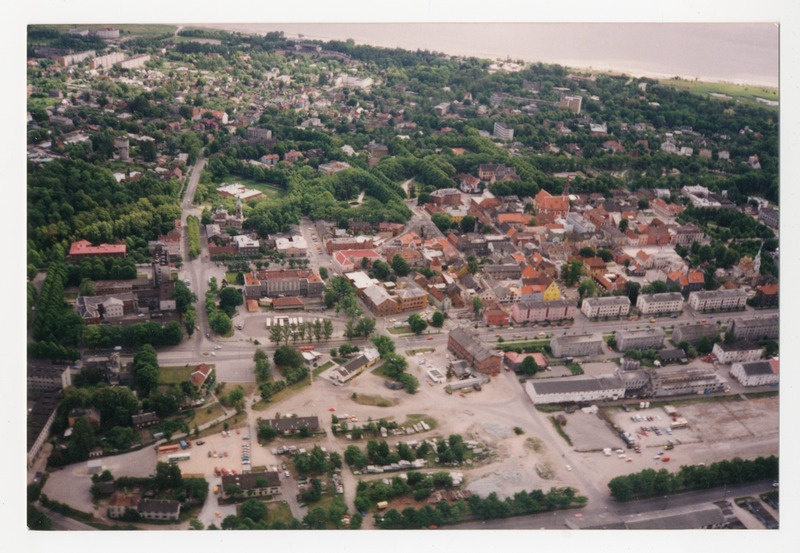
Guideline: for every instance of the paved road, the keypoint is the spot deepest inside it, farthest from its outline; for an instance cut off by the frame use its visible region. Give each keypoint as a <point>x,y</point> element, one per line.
<point>612,510</point>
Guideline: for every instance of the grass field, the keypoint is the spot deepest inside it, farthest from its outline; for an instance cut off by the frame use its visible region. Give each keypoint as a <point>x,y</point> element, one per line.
<point>278,511</point>
<point>207,413</point>
<point>324,367</point>
<point>173,375</point>
<point>740,92</point>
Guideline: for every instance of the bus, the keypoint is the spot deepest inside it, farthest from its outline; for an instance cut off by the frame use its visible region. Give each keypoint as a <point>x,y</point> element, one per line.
<point>176,457</point>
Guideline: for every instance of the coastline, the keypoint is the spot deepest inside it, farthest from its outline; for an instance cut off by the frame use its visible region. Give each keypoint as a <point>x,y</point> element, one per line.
<point>629,68</point>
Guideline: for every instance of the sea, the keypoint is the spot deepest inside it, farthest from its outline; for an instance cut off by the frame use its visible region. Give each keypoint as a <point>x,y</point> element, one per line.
<point>741,53</point>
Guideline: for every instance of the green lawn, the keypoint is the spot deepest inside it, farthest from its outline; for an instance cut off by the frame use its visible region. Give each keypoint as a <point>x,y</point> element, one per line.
<point>319,370</point>
<point>278,511</point>
<point>411,352</point>
<point>174,375</point>
<point>405,329</point>
<point>129,29</point>
<point>266,189</point>
<point>206,413</point>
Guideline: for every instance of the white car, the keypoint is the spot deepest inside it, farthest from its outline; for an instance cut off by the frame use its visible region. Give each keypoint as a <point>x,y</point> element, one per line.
<point>569,468</point>
<point>217,347</point>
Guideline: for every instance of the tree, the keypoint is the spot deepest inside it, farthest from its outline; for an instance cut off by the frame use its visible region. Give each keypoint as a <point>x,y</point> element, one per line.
<point>262,365</point>
<point>87,288</point>
<point>437,320</point>
<point>253,509</point>
<point>587,288</point>
<point>417,324</point>
<point>528,366</point>
<point>572,272</point>
<point>623,225</point>
<point>472,264</point>
<point>365,326</point>
<point>587,251</point>
<point>380,270</point>
<point>477,305</point>
<point>288,357</point>
<point>220,323</point>
<point>383,344</point>
<point>632,291</point>
<point>467,223</point>
<point>82,440</point>
<point>229,299</point>
<point>441,220</point>
<point>643,204</point>
<point>168,476</point>
<point>275,334</point>
<point>400,265</point>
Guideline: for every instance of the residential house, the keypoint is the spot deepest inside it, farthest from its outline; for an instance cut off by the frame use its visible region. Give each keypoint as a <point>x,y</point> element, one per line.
<point>48,377</point>
<point>159,509</point>
<point>540,310</point>
<point>756,373</point>
<point>756,328</point>
<point>667,302</point>
<point>737,352</point>
<point>356,365</point>
<point>494,315</point>
<point>717,300</point>
<point>200,374</point>
<point>611,306</point>
<point>446,196</point>
<point>121,502</point>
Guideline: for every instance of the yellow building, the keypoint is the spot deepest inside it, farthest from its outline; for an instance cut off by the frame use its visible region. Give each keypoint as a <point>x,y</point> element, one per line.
<point>553,292</point>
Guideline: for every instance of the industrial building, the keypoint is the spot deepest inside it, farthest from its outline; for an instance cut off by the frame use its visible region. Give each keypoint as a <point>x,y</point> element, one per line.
<point>467,346</point>
<point>685,380</point>
<point>574,389</point>
<point>756,373</point>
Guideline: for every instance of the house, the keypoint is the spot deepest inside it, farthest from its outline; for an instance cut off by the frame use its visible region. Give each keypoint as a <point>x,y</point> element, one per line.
<point>296,246</point>
<point>121,502</point>
<point>756,373</point>
<point>543,310</point>
<point>691,281</point>
<point>714,300</point>
<point>143,420</point>
<point>494,315</point>
<point>767,295</point>
<point>676,355</point>
<point>159,509</point>
<point>667,302</point>
<point>200,374</point>
<point>611,306</point>
<point>357,365</point>
<point>514,360</point>
<point>446,196</point>
<point>737,352</point>
<point>411,298</point>
<point>551,207</point>
<point>252,484</point>
<point>756,328</point>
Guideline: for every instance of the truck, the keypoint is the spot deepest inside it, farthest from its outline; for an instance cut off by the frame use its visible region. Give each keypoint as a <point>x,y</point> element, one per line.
<point>183,444</point>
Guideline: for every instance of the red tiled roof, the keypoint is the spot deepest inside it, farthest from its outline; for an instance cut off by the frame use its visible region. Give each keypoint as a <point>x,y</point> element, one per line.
<point>84,247</point>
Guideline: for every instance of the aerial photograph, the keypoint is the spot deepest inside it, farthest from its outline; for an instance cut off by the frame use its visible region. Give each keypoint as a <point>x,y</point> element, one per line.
<point>401,276</point>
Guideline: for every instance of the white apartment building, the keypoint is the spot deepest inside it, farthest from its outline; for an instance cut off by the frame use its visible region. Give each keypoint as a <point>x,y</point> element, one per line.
<point>667,302</point>
<point>713,300</point>
<point>612,306</point>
